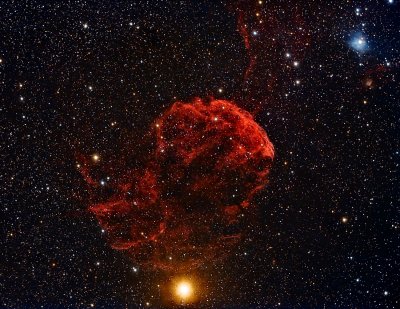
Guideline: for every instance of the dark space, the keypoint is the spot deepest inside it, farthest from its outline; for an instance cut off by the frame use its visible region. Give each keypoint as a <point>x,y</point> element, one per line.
<point>88,78</point>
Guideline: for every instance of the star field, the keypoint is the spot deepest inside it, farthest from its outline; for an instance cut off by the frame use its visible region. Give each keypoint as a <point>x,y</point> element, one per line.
<point>82,81</point>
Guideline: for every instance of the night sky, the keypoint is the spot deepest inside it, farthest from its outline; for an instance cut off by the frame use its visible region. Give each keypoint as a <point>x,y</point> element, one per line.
<point>83,81</point>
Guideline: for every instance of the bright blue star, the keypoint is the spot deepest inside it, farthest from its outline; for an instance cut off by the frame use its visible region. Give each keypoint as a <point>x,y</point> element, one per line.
<point>359,43</point>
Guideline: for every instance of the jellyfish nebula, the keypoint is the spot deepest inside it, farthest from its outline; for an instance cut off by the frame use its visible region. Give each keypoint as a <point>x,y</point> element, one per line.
<point>187,202</point>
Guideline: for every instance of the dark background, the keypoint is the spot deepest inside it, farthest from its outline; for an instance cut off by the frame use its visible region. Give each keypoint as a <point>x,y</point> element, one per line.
<point>329,219</point>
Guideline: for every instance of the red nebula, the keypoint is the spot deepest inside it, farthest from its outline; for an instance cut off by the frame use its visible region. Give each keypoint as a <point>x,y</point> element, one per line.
<point>187,203</point>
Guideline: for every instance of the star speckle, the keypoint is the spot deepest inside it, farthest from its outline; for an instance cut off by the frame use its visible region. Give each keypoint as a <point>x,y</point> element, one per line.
<point>82,81</point>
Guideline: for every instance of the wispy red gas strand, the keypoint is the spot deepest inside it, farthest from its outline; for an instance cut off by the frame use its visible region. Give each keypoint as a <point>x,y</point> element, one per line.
<point>270,31</point>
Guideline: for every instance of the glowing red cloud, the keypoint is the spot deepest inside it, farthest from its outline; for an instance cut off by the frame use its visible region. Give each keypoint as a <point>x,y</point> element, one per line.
<point>186,204</point>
